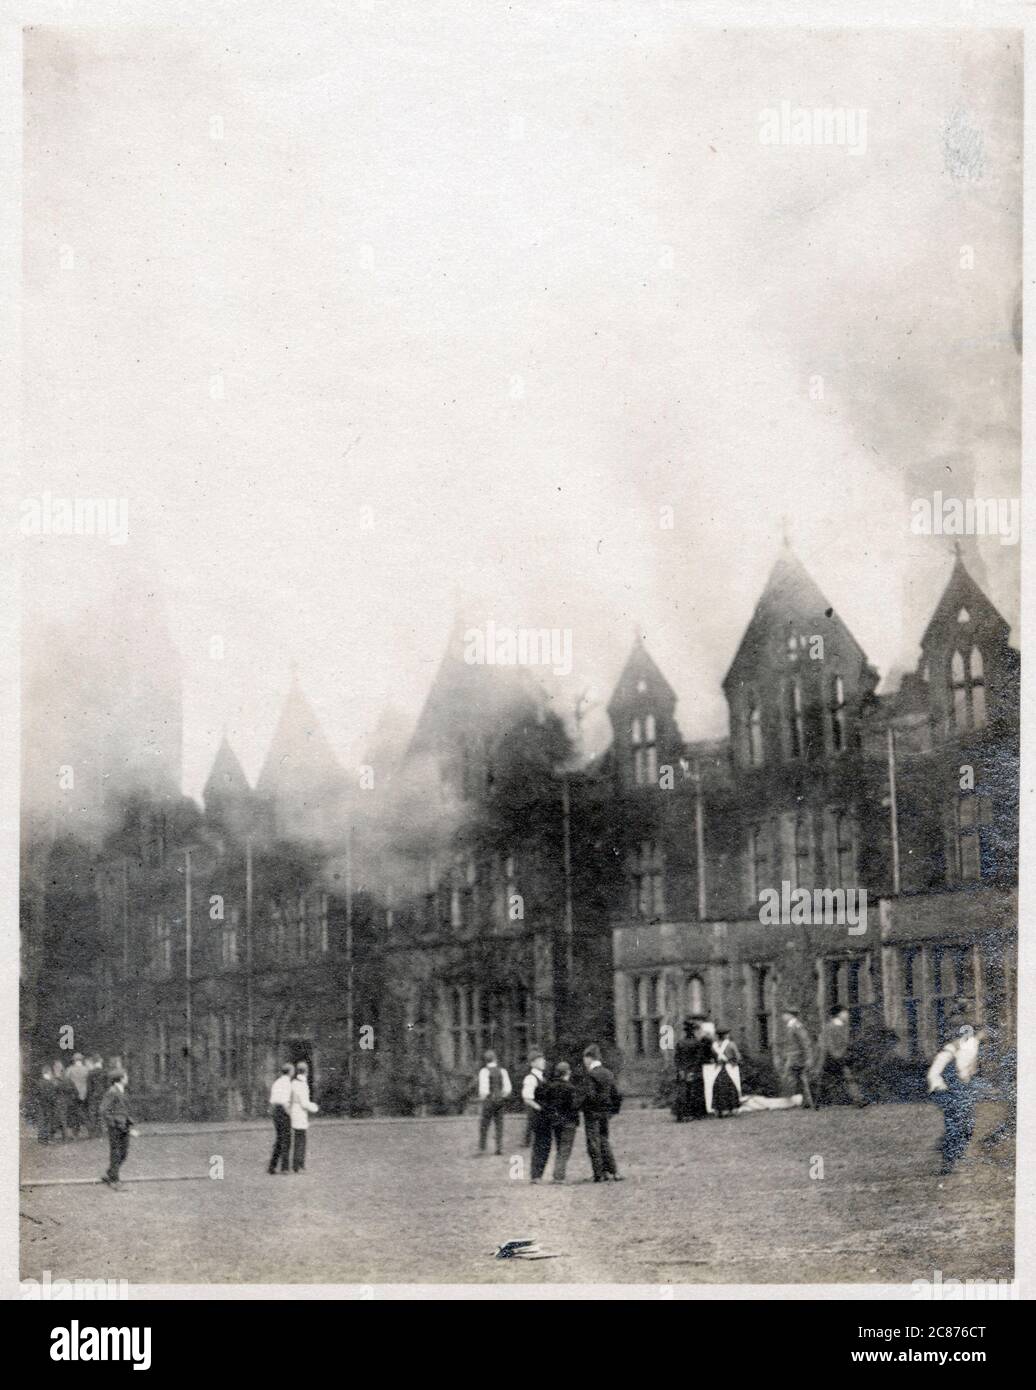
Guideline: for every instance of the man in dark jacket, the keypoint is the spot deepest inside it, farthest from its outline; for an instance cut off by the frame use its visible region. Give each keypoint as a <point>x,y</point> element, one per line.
<point>116,1115</point>
<point>96,1085</point>
<point>600,1099</point>
<point>559,1101</point>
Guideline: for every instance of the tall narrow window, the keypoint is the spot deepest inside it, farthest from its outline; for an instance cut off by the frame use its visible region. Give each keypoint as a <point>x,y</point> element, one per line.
<point>911,963</point>
<point>978,688</point>
<point>959,687</point>
<point>838,715</point>
<point>758,861</point>
<point>754,730</point>
<point>648,993</point>
<point>645,751</point>
<point>972,818</point>
<point>795,731</point>
<point>637,739</point>
<point>650,751</point>
<point>695,995</point>
<point>647,892</point>
<point>803,852</point>
<point>761,1000</point>
<point>844,849</point>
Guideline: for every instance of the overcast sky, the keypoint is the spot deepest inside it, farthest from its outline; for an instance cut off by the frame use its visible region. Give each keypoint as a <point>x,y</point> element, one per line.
<point>513,286</point>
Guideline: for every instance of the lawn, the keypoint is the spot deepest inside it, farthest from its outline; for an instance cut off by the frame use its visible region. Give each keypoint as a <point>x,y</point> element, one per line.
<point>408,1201</point>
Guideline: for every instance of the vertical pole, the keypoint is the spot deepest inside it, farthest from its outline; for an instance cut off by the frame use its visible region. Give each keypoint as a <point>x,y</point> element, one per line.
<point>893,810</point>
<point>188,1018</point>
<point>125,963</point>
<point>349,1024</point>
<point>699,841</point>
<point>566,817</point>
<point>249,998</point>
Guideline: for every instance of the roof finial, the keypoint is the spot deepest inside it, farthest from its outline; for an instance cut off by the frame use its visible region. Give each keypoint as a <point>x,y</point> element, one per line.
<point>785,531</point>
<point>958,549</point>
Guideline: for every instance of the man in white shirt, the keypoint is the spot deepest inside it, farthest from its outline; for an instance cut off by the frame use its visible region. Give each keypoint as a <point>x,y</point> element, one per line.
<point>301,1109</point>
<point>280,1108</point>
<point>950,1080</point>
<point>532,1078</point>
<point>494,1088</point>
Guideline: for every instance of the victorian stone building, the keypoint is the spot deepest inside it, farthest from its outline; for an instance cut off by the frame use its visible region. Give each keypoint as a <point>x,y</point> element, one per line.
<point>476,885</point>
<point>822,784</point>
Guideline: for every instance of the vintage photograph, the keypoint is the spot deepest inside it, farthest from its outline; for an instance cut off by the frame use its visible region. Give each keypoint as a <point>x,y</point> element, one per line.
<point>519,525</point>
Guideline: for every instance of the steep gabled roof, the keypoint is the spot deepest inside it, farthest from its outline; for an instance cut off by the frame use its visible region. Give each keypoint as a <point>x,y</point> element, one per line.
<point>300,759</point>
<point>640,666</point>
<point>475,696</point>
<point>790,596</point>
<point>226,781</point>
<point>962,591</point>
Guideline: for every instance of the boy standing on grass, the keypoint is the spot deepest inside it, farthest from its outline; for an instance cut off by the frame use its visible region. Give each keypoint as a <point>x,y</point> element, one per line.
<point>115,1113</point>
<point>494,1088</point>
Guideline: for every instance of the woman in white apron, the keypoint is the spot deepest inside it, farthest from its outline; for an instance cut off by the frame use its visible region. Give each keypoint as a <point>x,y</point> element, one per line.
<point>726,1085</point>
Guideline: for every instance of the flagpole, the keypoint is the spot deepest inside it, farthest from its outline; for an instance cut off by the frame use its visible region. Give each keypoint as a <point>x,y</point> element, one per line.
<point>349,1028</point>
<point>249,997</point>
<point>188,1016</point>
<point>699,841</point>
<point>893,808</point>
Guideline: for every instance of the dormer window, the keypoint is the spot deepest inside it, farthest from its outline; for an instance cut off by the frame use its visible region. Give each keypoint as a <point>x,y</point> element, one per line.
<point>964,616</point>
<point>968,690</point>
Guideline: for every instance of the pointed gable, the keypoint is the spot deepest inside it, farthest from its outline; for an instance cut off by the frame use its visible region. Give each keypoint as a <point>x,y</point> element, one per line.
<point>301,778</point>
<point>968,667</point>
<point>962,595</point>
<point>471,697</point>
<point>226,781</point>
<point>641,710</point>
<point>641,678</point>
<point>791,605</point>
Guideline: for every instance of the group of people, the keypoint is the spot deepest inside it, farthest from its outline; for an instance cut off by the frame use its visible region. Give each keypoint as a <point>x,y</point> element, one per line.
<point>290,1107</point>
<point>67,1100</point>
<point>553,1109</point>
<point>708,1071</point>
<point>708,1067</point>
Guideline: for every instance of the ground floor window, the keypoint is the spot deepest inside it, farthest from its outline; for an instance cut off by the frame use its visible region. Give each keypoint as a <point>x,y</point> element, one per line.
<point>647,1014</point>
<point>760,990</point>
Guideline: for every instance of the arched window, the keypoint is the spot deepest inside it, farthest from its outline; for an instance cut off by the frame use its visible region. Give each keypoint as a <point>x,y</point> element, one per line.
<point>978,688</point>
<point>695,995</point>
<point>838,715</point>
<point>968,690</point>
<point>795,731</point>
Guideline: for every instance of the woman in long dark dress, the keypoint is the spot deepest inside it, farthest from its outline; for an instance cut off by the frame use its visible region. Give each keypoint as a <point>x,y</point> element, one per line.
<point>726,1089</point>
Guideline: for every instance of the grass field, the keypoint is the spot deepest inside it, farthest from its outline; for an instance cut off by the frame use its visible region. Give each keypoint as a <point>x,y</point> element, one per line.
<point>408,1202</point>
